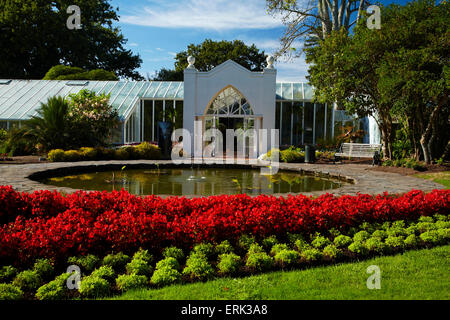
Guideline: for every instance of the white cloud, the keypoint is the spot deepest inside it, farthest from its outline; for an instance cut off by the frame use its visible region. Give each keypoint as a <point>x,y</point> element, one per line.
<point>133,44</point>
<point>292,71</point>
<point>204,14</point>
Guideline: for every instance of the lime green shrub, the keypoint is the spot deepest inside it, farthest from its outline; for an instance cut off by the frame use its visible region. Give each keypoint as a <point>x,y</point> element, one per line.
<point>278,247</point>
<point>320,242</point>
<point>342,241</point>
<point>375,245</point>
<point>174,252</point>
<point>44,268</point>
<point>269,242</point>
<point>311,254</point>
<point>332,252</point>
<point>358,247</point>
<point>10,292</point>
<point>127,282</point>
<point>7,273</point>
<point>104,272</point>
<point>117,261</point>
<point>54,290</point>
<point>165,276</point>
<point>139,267</point>
<point>56,155</point>
<point>229,263</point>
<point>259,261</point>
<point>168,263</point>
<point>223,248</point>
<point>198,267</point>
<point>27,280</point>
<point>86,263</point>
<point>287,257</point>
<point>94,287</point>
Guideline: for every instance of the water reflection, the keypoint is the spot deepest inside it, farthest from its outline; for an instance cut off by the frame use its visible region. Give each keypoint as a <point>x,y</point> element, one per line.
<point>195,182</point>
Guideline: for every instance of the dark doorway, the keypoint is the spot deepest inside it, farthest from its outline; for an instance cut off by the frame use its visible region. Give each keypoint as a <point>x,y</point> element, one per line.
<point>230,123</point>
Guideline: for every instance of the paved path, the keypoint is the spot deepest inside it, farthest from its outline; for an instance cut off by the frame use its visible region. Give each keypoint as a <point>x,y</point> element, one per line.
<point>364,180</point>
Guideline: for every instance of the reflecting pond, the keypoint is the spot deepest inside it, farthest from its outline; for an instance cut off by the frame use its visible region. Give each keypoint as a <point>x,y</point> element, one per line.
<point>195,181</point>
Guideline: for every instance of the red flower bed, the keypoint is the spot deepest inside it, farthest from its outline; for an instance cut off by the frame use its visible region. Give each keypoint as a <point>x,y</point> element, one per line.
<point>46,224</point>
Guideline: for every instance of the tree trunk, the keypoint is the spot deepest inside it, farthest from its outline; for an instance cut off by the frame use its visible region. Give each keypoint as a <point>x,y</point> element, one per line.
<point>429,135</point>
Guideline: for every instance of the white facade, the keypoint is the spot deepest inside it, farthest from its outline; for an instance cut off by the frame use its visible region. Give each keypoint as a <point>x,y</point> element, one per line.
<point>258,89</point>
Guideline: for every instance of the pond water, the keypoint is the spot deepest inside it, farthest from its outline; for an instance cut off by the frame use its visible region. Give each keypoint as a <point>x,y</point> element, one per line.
<point>195,181</point>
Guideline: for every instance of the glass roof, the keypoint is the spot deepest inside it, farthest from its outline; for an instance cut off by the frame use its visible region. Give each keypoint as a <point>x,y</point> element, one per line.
<point>20,99</point>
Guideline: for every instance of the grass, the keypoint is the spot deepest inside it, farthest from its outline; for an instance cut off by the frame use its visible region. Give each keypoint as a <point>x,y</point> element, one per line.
<point>439,177</point>
<point>420,274</point>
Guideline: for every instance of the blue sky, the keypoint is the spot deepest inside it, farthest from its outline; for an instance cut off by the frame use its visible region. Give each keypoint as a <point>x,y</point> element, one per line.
<point>158,29</point>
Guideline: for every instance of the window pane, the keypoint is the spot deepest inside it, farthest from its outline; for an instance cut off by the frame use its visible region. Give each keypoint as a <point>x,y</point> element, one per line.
<point>148,116</point>
<point>158,116</point>
<point>298,94</point>
<point>286,123</point>
<point>309,118</point>
<point>320,122</point>
<point>287,91</point>
<point>298,119</point>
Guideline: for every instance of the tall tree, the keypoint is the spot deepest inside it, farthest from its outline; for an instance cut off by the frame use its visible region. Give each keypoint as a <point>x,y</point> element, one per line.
<point>397,71</point>
<point>34,37</point>
<point>210,54</point>
<point>313,19</point>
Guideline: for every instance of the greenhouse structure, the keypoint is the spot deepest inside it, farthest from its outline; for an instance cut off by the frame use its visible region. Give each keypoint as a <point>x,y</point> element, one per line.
<point>227,97</point>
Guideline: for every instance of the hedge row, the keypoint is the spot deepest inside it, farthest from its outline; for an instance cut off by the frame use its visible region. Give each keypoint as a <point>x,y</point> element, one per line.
<point>144,150</point>
<point>119,272</point>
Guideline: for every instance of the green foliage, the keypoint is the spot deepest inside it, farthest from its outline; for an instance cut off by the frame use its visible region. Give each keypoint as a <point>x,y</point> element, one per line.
<point>61,72</point>
<point>223,248</point>
<point>7,274</point>
<point>245,241</point>
<point>10,292</point>
<point>320,241</point>
<point>44,268</point>
<point>169,262</point>
<point>117,261</point>
<point>332,251</point>
<point>88,153</point>
<point>342,241</point>
<point>87,263</point>
<point>54,290</point>
<point>269,242</point>
<point>311,254</point>
<point>431,237</point>
<point>198,267</point>
<point>375,245</point>
<point>278,247</point>
<point>144,255</point>
<point>126,282</point>
<point>206,249</point>
<point>395,242</point>
<point>147,150</point>
<point>379,234</point>
<point>104,272</point>
<point>255,248</point>
<point>259,261</point>
<point>165,276</point>
<point>412,240</point>
<point>361,236</point>
<point>210,54</point>
<point>174,252</point>
<point>94,287</point>
<point>139,267</point>
<point>229,263</point>
<point>99,44</point>
<point>27,280</point>
<point>287,257</point>
<point>301,245</point>
<point>358,247</point>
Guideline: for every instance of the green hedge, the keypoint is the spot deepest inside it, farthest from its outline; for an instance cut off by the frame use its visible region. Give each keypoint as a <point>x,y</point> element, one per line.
<point>144,150</point>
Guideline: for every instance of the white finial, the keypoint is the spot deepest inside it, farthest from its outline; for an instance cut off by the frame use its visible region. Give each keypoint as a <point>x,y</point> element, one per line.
<point>191,61</point>
<point>270,60</point>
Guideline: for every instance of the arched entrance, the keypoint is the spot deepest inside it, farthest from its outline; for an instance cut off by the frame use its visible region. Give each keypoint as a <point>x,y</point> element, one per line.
<point>229,109</point>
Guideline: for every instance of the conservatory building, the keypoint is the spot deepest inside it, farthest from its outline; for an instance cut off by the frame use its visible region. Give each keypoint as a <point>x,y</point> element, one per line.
<point>227,97</point>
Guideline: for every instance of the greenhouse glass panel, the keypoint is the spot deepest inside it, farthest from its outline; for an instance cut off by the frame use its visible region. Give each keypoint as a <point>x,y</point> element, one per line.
<point>298,123</point>
<point>179,115</point>
<point>278,91</point>
<point>287,91</point>
<point>180,93</point>
<point>151,90</point>
<point>298,91</point>
<point>308,92</point>
<point>158,115</point>
<point>309,122</point>
<point>148,120</point>
<point>162,90</point>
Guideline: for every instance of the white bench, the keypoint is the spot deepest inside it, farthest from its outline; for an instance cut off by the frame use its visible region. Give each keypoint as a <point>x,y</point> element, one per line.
<point>359,150</point>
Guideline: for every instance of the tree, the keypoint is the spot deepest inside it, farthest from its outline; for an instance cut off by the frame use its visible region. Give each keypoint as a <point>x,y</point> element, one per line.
<point>397,71</point>
<point>61,72</point>
<point>210,54</point>
<point>314,19</point>
<point>34,37</point>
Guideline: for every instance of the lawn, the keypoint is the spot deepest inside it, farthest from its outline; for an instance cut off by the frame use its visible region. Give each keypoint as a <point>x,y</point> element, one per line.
<point>439,177</point>
<point>420,274</point>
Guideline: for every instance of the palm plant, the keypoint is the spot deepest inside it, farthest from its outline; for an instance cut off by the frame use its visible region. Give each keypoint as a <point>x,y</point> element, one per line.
<point>51,127</point>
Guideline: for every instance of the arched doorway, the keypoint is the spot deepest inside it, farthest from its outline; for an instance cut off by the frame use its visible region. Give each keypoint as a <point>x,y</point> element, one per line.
<point>229,109</point>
